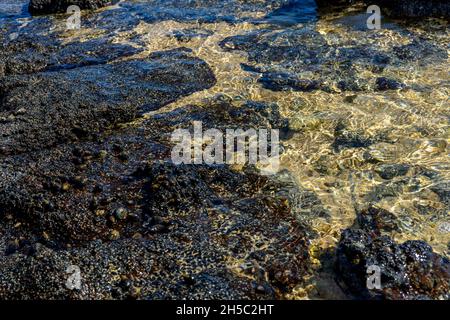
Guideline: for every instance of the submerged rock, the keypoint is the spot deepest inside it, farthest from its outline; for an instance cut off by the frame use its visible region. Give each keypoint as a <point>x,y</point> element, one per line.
<point>81,204</point>
<point>442,189</point>
<point>60,6</point>
<point>377,220</point>
<point>303,59</point>
<point>346,139</point>
<point>419,51</point>
<point>223,113</point>
<point>27,55</point>
<point>415,8</point>
<point>282,81</point>
<point>389,171</point>
<point>131,13</point>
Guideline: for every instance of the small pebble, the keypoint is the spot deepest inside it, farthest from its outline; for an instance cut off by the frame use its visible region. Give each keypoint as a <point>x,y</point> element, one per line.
<point>121,213</point>
<point>115,235</point>
<point>65,186</point>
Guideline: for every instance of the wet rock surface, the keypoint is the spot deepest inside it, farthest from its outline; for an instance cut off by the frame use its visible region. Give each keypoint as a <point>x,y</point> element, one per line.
<point>87,203</point>
<point>178,249</point>
<point>27,54</point>
<point>416,8</point>
<point>58,6</point>
<point>410,270</point>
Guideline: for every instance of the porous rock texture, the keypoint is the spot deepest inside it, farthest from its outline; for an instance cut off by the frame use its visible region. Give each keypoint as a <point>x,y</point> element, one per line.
<point>410,270</point>
<point>399,8</point>
<point>60,6</point>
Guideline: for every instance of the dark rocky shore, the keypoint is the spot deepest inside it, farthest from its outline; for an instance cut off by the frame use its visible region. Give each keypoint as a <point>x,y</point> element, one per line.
<point>86,179</point>
<point>400,8</point>
<point>52,6</point>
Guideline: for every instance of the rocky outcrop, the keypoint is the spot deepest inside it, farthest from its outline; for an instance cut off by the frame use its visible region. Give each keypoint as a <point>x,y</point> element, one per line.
<point>399,8</point>
<point>410,270</point>
<point>283,58</point>
<point>208,11</point>
<point>60,6</point>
